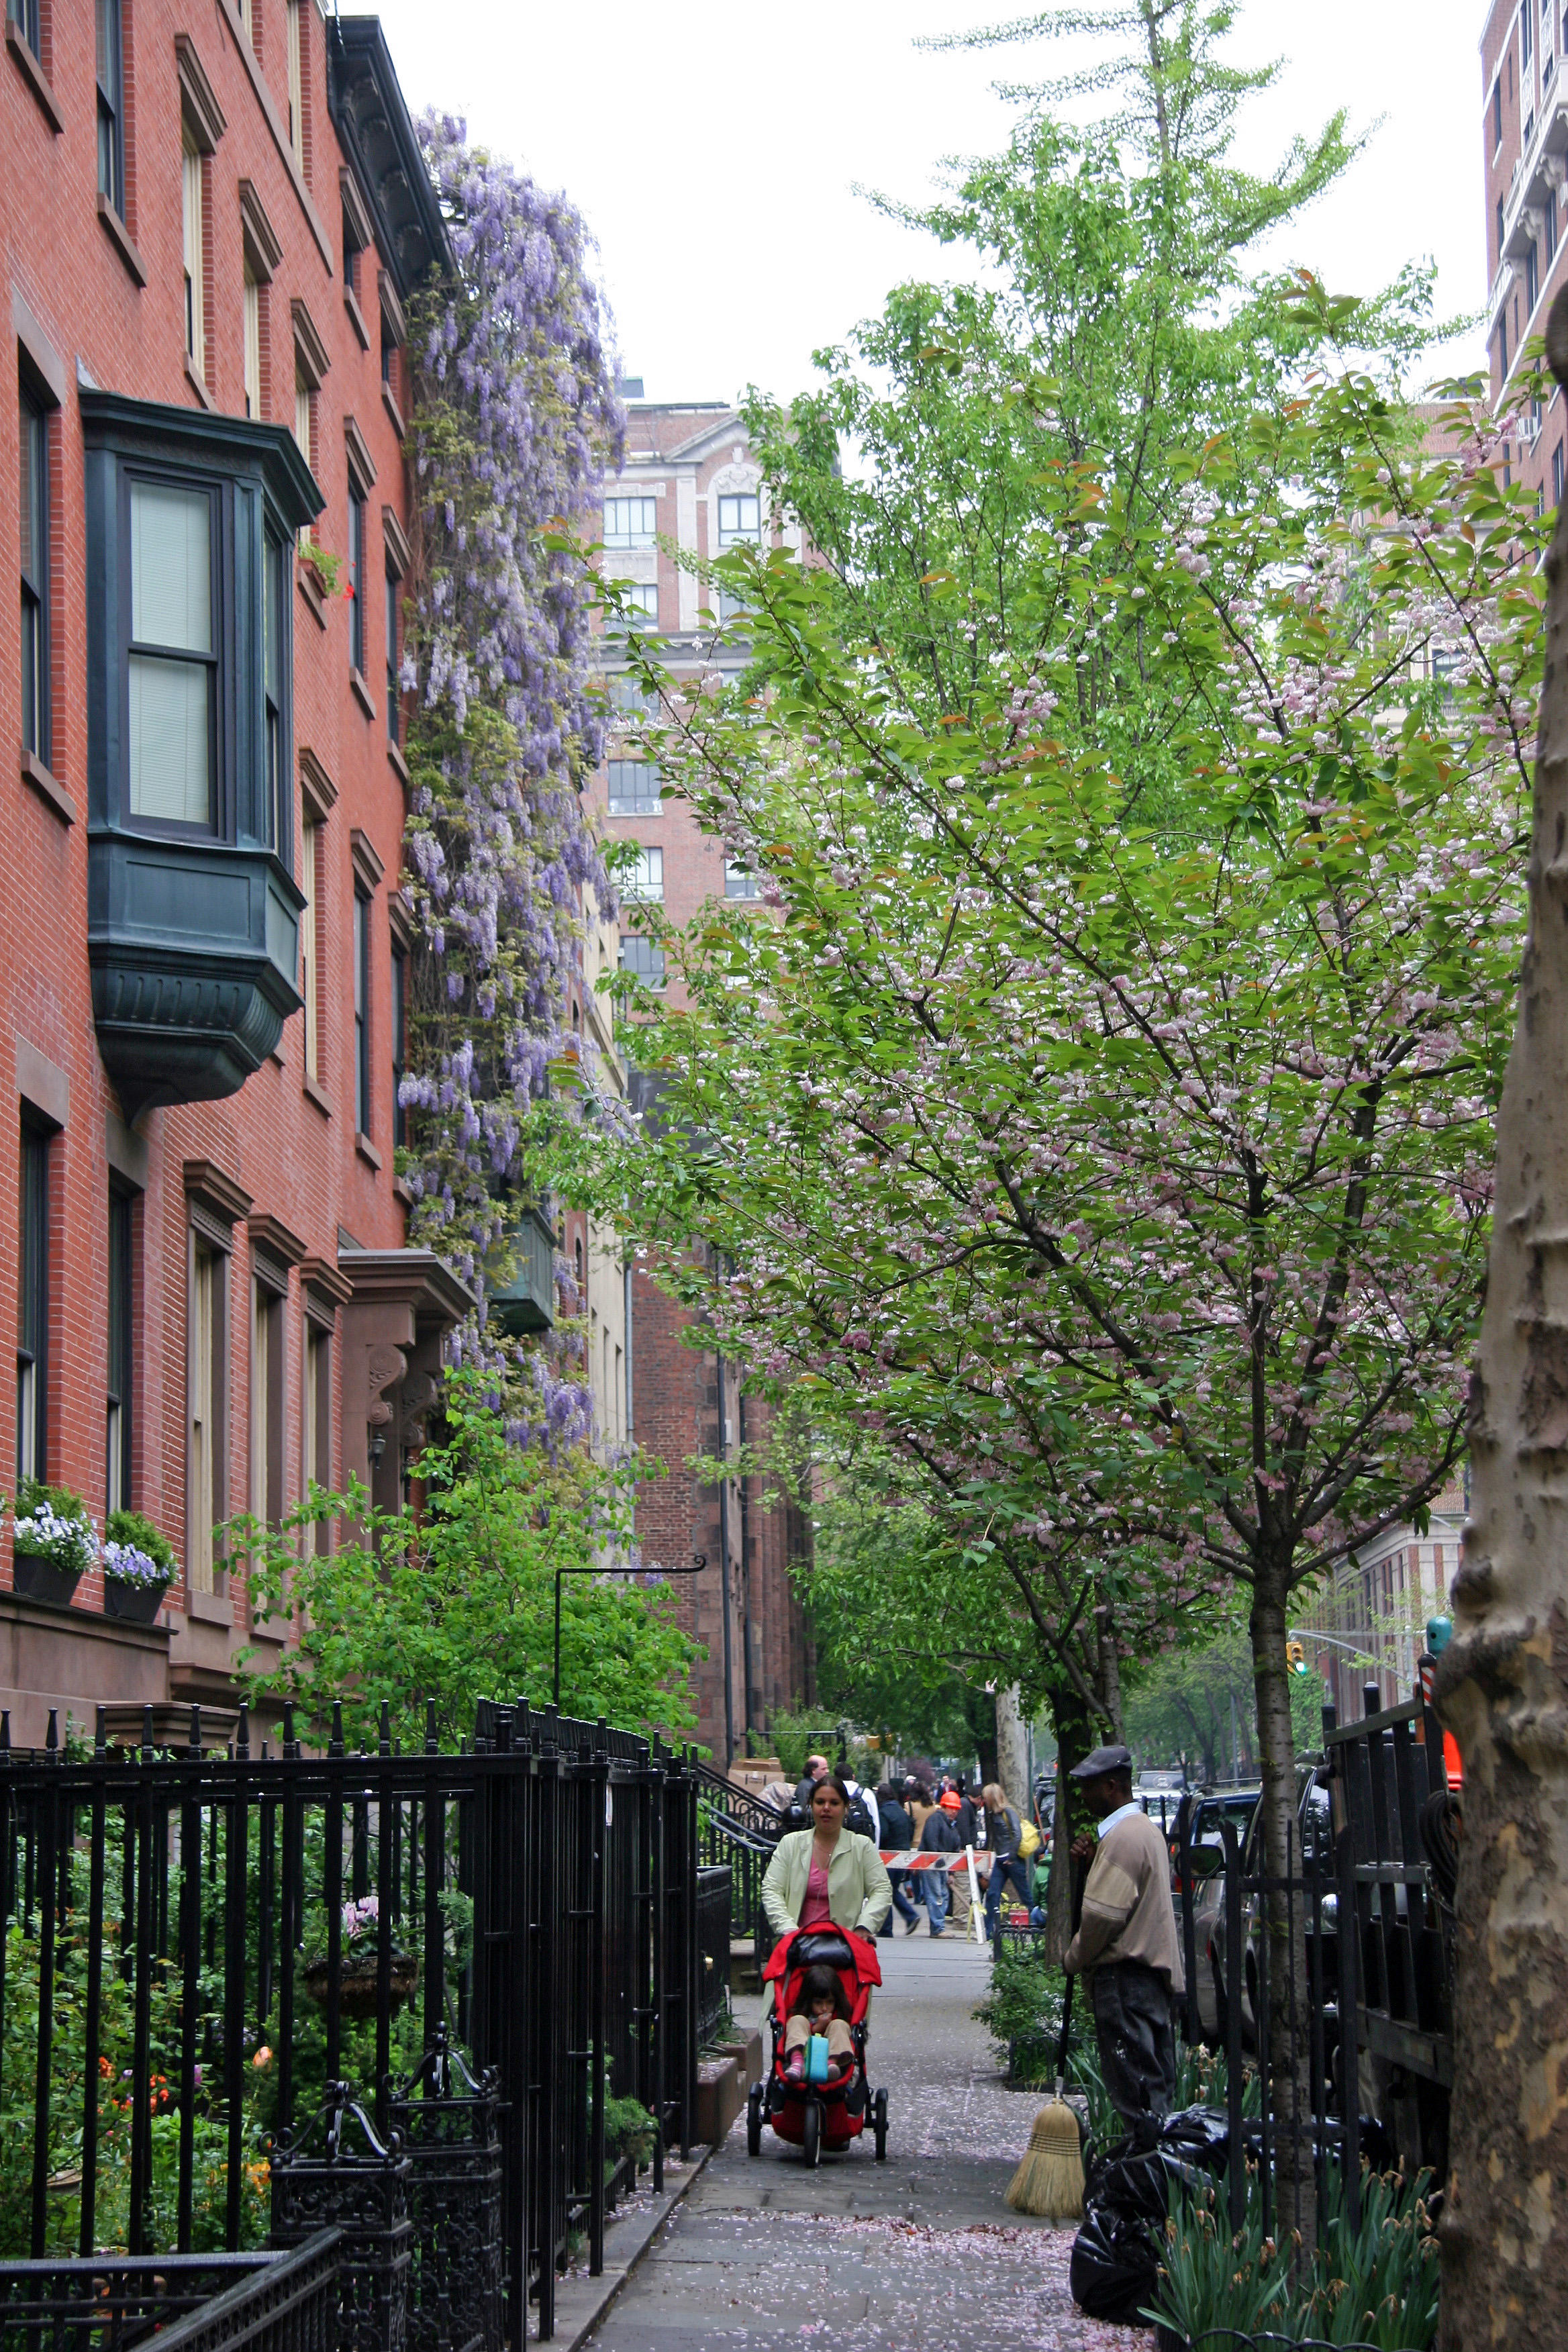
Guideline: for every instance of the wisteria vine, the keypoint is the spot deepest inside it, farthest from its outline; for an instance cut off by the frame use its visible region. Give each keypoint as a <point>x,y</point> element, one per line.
<point>514,413</point>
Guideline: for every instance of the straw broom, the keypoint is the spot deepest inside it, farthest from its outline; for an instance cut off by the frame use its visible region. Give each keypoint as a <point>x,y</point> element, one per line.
<point>1049,2180</point>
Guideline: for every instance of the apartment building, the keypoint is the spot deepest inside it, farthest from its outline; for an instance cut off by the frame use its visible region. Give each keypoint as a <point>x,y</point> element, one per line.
<point>1524,143</point>
<point>214,219</point>
<point>688,486</point>
<point>1367,1621</point>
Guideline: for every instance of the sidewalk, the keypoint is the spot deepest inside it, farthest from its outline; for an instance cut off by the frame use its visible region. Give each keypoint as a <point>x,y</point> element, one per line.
<point>918,2254</point>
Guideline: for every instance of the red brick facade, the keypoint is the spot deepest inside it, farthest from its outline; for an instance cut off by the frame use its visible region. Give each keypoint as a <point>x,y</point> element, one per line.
<point>296,1187</point>
<point>680,463</point>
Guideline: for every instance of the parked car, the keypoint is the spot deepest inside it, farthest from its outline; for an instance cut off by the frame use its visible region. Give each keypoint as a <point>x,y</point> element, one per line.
<point>1207,1872</point>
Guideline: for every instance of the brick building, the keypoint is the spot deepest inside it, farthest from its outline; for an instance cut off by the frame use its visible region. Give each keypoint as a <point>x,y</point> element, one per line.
<point>1524,143</point>
<point>690,486</point>
<point>213,220</point>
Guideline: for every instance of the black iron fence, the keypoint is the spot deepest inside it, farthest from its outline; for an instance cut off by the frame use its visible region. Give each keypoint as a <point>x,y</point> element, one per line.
<point>278,2302</point>
<point>1353,1945</point>
<point>197,1946</point>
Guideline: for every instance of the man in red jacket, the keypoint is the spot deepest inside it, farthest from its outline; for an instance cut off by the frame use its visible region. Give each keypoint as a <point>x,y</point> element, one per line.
<point>1126,1946</point>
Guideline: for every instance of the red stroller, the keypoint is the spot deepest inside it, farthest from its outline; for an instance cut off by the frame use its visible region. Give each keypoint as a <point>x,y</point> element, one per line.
<point>813,2117</point>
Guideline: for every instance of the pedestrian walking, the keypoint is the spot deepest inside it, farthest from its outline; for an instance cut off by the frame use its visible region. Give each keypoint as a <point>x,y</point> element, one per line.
<point>938,1837</point>
<point>1126,1947</point>
<point>817,1769</point>
<point>898,1836</point>
<point>1003,1834</point>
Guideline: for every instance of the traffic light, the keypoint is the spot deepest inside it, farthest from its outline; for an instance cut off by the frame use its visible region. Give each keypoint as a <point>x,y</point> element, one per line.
<point>1296,1658</point>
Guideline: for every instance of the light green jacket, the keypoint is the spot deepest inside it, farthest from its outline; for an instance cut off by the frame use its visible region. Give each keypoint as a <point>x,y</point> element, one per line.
<point>858,1893</point>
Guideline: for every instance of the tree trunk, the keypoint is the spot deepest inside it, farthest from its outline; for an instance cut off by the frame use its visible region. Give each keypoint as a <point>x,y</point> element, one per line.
<point>1503,1680</point>
<point>1077,1733</point>
<point>1012,1751</point>
<point>1289,2052</point>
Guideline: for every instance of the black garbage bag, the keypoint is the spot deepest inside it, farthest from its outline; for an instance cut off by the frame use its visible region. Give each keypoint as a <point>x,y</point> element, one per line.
<point>1199,2135</point>
<point>1114,2270</point>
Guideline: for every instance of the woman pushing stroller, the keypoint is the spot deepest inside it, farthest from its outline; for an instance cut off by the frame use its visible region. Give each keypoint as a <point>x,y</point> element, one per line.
<point>825,1875</point>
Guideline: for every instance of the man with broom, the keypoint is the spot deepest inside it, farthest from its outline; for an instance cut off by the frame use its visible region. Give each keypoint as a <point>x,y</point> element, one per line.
<point>1127,1948</point>
<point>1125,1944</point>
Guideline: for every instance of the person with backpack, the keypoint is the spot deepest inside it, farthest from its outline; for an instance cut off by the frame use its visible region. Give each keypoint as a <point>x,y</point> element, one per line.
<point>862,1817</point>
<point>1004,1836</point>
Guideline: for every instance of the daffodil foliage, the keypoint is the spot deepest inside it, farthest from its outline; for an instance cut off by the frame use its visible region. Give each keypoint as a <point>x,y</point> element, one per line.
<point>1132,1178</point>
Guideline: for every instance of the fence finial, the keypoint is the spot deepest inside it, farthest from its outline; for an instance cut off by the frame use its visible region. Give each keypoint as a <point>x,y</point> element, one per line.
<point>195,1740</point>
<point>100,1732</point>
<point>147,1734</point>
<point>290,1745</point>
<point>242,1735</point>
<point>335,1745</point>
<point>385,1727</point>
<point>52,1736</point>
<point>432,1745</point>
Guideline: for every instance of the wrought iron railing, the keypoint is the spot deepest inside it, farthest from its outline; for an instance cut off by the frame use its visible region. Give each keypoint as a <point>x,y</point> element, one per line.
<point>713,1950</point>
<point>271,2302</point>
<point>219,1936</point>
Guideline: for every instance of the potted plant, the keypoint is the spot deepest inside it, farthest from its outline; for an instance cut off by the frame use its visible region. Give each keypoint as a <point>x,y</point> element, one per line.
<point>139,1566</point>
<point>52,1542</point>
<point>356,1975</point>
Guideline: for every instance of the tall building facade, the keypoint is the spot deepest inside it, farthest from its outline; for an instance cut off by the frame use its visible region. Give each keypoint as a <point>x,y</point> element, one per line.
<point>214,221</point>
<point>1524,145</point>
<point>689,487</point>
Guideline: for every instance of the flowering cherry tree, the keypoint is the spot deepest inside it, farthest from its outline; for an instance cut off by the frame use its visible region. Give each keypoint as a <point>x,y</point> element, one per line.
<point>1134,1176</point>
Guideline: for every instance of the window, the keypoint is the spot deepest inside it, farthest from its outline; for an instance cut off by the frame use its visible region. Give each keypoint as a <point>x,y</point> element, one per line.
<point>1532,277</point>
<point>643,958</point>
<point>1500,232</point>
<point>362,1013</point>
<point>266,1399</point>
<point>646,879</point>
<point>1502,344</point>
<point>631,698</point>
<point>644,598</point>
<point>207,1388</point>
<point>309,882</point>
<point>294,9</point>
<point>23,15</point>
<point>1526,36</point>
<point>34,518</point>
<point>117,1478</point>
<point>399,1040</point>
<point>195,228</point>
<point>739,882</point>
<point>33,1305</point>
<point>634,788</point>
<point>1497,115</point>
<point>316,1419</point>
<point>630,523</point>
<point>1557,475</point>
<point>252,344</point>
<point>740,518</point>
<point>275,628</point>
<point>1551,220</point>
<point>731,608</point>
<point>356,576</point>
<point>172,655</point>
<point>393,599</point>
<point>110,105</point>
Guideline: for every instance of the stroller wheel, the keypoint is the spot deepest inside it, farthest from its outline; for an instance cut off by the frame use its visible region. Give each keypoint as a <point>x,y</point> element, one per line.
<point>754,2120</point>
<point>811,2144</point>
<point>880,2125</point>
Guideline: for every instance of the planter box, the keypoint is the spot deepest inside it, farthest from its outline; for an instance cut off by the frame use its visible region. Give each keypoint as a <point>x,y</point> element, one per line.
<point>136,1604</point>
<point>720,2099</point>
<point>40,1580</point>
<point>746,2050</point>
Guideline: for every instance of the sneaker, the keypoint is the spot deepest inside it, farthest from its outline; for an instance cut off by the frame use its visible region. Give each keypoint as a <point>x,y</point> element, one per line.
<point>939,1931</point>
<point>795,2071</point>
<point>910,1926</point>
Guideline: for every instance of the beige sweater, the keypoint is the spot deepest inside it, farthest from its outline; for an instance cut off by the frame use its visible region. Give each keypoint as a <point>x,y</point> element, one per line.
<point>1128,1913</point>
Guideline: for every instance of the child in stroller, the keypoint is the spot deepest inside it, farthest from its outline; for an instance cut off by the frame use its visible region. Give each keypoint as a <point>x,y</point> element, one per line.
<point>818,2013</point>
<point>832,2113</point>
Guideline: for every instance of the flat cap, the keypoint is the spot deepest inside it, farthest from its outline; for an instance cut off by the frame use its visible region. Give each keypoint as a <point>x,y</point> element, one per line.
<point>1104,1760</point>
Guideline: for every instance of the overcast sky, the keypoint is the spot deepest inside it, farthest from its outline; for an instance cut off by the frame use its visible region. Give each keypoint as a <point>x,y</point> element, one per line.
<point>716,152</point>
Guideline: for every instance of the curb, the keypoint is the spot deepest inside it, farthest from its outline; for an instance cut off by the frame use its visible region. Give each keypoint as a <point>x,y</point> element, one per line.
<point>581,2302</point>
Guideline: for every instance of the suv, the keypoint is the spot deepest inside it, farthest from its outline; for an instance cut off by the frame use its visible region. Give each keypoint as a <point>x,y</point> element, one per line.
<point>1206,1867</point>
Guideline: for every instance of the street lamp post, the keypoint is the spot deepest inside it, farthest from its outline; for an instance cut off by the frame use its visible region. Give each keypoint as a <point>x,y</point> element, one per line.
<point>699,1562</point>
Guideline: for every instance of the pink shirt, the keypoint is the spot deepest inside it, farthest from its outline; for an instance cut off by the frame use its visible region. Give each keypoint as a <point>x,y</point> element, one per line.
<point>814,1911</point>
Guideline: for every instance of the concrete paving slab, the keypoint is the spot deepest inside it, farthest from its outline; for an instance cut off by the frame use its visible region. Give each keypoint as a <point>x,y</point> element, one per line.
<point>918,2254</point>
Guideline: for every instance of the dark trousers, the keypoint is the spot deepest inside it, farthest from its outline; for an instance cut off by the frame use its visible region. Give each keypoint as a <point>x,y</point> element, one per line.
<point>901,1904</point>
<point>1135,2023</point>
